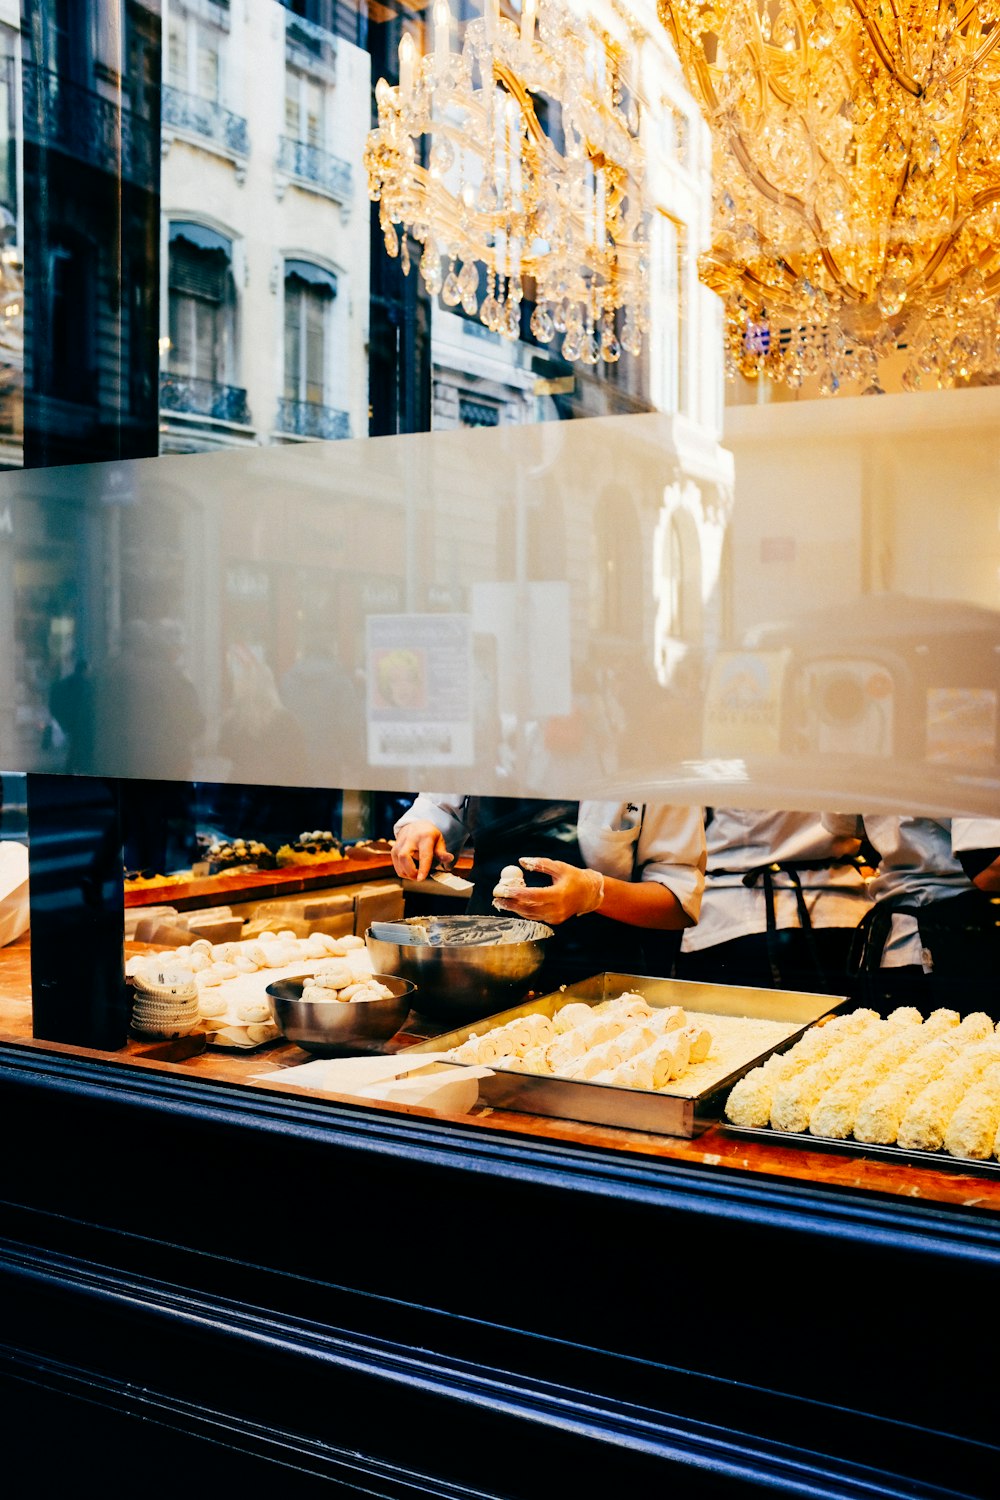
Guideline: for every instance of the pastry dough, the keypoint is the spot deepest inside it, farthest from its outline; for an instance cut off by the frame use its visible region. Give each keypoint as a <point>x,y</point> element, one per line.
<point>571,1015</point>
<point>511,882</point>
<point>973,1127</point>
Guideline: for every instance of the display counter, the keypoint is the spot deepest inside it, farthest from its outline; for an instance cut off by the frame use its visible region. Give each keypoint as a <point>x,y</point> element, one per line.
<point>383,1299</point>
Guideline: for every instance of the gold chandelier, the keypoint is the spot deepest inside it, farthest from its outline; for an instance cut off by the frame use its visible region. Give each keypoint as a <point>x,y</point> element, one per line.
<point>520,154</point>
<point>857,181</point>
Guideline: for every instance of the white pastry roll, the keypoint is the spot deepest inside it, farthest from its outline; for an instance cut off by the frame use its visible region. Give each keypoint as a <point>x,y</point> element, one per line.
<point>668,1018</point>
<point>670,1055</point>
<point>350,943</point>
<point>202,945</point>
<point>244,964</point>
<point>208,979</point>
<point>574,1014</point>
<point>635,1040</point>
<point>225,970</point>
<point>223,952</point>
<point>634,1072</point>
<point>563,1053</point>
<point>529,1031</point>
<point>973,1127</point>
<point>534,1061</point>
<point>699,1042</point>
<point>628,1007</point>
<point>486,1049</point>
<point>596,1059</point>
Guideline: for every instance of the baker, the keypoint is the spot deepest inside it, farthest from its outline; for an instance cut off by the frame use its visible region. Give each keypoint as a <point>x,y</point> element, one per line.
<point>783,899</point>
<point>933,935</point>
<point>606,876</point>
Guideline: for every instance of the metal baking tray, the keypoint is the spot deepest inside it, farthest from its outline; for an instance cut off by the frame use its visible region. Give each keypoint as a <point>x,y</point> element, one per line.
<point>677,1111</point>
<point>937,1160</point>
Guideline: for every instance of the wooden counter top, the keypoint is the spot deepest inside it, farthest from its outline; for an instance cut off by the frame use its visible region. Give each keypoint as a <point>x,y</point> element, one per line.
<point>268,885</point>
<point>261,885</point>
<point>714,1147</point>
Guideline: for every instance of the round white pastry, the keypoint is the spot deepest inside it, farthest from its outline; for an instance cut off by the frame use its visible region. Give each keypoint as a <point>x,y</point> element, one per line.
<point>212,1005</point>
<point>225,970</point>
<point>350,943</point>
<point>244,964</point>
<point>334,975</point>
<point>199,960</point>
<point>253,1010</point>
<point>201,945</point>
<point>286,932</point>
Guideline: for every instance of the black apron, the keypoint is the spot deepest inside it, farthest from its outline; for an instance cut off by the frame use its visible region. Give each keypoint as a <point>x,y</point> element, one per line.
<point>764,875</point>
<point>962,935</point>
<point>510,828</point>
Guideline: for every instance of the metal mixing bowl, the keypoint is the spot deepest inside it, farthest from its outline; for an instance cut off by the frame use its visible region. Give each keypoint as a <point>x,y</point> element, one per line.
<point>336,1028</point>
<point>461,983</point>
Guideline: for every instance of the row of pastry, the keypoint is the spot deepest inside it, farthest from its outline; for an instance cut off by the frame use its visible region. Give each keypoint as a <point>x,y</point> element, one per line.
<point>214,963</point>
<point>903,1081</point>
<point>623,1041</point>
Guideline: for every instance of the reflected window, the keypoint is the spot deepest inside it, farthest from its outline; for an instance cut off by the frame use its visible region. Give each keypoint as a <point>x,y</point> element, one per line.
<point>202,356</point>
<point>194,56</point>
<point>305,108</point>
<point>309,294</point>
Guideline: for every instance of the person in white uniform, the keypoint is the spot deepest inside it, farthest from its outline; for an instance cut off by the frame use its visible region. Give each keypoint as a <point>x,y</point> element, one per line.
<point>783,897</point>
<point>620,871</point>
<point>933,929</point>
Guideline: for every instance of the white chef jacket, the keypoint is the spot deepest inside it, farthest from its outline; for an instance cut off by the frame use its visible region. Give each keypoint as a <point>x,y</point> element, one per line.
<point>625,840</point>
<point>739,841</point>
<point>918,865</point>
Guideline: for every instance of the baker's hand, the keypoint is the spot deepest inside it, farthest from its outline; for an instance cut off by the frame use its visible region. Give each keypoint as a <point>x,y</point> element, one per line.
<point>572,893</point>
<point>420,846</point>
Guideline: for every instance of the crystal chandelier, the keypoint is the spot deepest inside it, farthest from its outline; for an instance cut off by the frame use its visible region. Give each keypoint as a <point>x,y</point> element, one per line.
<point>857,205</point>
<point>531,170</point>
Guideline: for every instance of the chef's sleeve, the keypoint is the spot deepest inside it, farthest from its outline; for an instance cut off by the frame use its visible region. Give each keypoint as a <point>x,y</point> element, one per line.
<point>671,849</point>
<point>976,843</point>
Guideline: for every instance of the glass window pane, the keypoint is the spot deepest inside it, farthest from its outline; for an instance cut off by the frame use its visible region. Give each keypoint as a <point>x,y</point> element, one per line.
<point>315,346</point>
<point>292,80</point>
<point>208,65</point>
<point>293,340</point>
<point>178,55</point>
<point>314,112</point>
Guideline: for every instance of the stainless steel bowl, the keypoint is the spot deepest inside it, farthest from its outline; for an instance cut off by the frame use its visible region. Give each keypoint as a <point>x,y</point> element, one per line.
<point>336,1028</point>
<point>461,983</point>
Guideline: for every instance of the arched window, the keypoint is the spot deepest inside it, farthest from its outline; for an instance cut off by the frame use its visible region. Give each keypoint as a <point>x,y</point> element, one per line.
<point>202,304</point>
<point>309,294</point>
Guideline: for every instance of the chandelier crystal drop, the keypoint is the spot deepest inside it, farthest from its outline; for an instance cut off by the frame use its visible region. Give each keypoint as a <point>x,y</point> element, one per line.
<point>857,182</point>
<point>516,164</point>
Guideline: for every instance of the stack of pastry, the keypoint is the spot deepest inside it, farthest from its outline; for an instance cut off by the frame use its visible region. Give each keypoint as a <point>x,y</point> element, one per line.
<point>623,1041</point>
<point>904,1081</point>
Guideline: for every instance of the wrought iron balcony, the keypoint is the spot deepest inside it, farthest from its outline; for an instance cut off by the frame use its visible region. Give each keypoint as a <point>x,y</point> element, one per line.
<point>203,398</point>
<point>206,118</point>
<point>89,126</point>
<point>311,167</point>
<point>309,419</point>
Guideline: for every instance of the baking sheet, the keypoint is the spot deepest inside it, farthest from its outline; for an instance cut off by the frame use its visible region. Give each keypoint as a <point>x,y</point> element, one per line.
<point>851,1147</point>
<point>677,1109</point>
